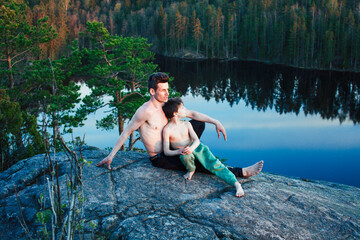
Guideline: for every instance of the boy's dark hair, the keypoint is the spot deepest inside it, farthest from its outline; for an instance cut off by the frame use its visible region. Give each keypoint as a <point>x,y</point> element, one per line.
<point>172,106</point>
<point>156,78</point>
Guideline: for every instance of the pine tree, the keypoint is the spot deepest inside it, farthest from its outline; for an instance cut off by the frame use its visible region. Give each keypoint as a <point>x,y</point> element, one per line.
<point>16,125</point>
<point>218,28</point>
<point>118,67</point>
<point>165,23</point>
<point>231,35</point>
<point>329,47</point>
<point>197,31</point>
<point>179,28</point>
<point>18,38</point>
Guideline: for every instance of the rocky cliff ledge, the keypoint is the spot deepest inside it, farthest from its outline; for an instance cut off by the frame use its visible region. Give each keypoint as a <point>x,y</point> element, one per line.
<point>137,201</point>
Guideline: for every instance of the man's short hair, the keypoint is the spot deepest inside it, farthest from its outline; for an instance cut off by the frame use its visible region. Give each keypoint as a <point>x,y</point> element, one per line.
<point>156,78</point>
<point>172,106</point>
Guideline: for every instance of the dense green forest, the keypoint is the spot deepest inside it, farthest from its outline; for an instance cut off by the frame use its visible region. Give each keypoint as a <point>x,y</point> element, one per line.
<point>302,33</point>
<point>45,46</point>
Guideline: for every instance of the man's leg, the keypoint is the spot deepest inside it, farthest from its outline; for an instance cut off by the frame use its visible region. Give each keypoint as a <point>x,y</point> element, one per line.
<point>168,162</point>
<point>199,128</point>
<point>237,171</point>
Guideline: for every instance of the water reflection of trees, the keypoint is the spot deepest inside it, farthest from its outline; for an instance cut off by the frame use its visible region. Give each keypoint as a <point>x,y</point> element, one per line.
<point>333,95</point>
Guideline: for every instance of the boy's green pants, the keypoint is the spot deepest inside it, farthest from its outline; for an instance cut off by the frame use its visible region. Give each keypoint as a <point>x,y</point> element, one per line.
<point>210,162</point>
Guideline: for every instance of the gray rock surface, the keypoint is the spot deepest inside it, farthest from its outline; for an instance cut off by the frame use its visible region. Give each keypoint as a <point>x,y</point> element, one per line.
<point>138,201</point>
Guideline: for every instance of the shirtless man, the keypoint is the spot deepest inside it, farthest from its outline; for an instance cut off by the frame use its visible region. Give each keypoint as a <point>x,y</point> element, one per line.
<point>150,120</point>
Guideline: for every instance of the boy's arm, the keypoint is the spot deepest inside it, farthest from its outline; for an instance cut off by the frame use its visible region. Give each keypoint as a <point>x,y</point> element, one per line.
<point>166,144</point>
<point>205,118</point>
<point>194,138</point>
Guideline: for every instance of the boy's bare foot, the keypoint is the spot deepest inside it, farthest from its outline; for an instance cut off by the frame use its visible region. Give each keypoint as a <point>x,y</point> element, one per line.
<point>239,190</point>
<point>253,169</point>
<point>106,160</point>
<point>189,175</point>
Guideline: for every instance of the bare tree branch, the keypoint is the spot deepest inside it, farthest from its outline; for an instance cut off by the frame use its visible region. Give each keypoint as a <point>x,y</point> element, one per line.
<point>23,52</point>
<point>22,221</point>
<point>104,55</point>
<point>128,95</point>
<point>17,62</point>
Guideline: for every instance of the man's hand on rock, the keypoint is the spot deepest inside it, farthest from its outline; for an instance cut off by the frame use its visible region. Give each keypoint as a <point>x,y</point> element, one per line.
<point>106,160</point>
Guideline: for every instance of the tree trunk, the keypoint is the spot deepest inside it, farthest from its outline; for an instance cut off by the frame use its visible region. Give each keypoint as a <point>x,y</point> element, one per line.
<point>197,47</point>
<point>11,77</point>
<point>120,118</point>
<point>121,127</point>
<point>165,44</point>
<point>131,138</point>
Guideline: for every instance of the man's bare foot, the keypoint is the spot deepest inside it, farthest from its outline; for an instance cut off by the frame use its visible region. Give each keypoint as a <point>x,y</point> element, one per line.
<point>239,190</point>
<point>189,175</point>
<point>253,169</point>
<point>106,160</point>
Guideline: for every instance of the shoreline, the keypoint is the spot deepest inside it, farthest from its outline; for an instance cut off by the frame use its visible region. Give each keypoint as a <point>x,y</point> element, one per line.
<point>192,58</point>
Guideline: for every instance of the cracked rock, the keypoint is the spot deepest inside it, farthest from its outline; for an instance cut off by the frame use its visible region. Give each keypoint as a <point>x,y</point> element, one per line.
<point>138,201</point>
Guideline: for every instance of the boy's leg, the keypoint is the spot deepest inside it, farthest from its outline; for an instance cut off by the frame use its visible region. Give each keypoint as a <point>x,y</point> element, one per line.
<point>199,128</point>
<point>211,163</point>
<point>189,161</point>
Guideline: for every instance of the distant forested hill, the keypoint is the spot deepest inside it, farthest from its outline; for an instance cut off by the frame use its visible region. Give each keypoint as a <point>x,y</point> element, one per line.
<point>303,33</point>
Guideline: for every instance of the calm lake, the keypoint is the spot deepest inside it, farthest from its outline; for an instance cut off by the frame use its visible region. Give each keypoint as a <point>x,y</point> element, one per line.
<point>302,123</point>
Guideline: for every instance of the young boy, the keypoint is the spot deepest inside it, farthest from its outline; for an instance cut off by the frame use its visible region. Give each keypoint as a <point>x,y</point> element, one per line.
<point>179,138</point>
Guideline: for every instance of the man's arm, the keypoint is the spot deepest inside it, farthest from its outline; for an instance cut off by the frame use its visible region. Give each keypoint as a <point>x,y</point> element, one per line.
<point>205,118</point>
<point>137,120</point>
